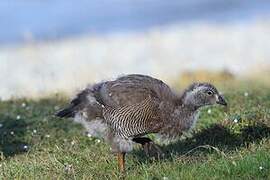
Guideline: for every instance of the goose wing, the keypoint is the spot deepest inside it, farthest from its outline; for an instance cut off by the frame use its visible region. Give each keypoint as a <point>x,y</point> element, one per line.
<point>132,89</point>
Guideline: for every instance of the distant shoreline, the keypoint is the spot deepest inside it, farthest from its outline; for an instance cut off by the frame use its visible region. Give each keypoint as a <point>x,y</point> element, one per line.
<point>37,69</point>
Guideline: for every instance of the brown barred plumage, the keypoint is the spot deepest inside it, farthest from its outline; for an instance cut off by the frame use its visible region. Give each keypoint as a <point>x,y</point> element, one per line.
<point>133,120</point>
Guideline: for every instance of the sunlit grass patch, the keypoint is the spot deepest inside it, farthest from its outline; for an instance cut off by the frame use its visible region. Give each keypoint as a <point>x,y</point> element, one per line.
<point>231,143</point>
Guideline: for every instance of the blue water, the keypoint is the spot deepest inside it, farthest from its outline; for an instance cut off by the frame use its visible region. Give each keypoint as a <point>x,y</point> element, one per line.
<point>50,19</point>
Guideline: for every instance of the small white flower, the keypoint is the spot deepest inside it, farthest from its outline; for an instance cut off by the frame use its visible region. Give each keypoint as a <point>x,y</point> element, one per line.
<point>25,147</point>
<point>23,104</point>
<point>209,111</point>
<point>73,142</point>
<point>89,135</point>
<point>98,141</point>
<point>34,131</point>
<point>260,167</point>
<point>12,132</point>
<point>246,94</point>
<point>68,167</point>
<point>47,136</point>
<point>165,178</point>
<point>18,117</point>
<point>56,108</point>
<point>235,120</point>
<point>1,125</point>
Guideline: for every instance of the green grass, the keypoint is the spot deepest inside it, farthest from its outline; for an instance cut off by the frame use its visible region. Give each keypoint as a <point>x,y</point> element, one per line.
<point>36,145</point>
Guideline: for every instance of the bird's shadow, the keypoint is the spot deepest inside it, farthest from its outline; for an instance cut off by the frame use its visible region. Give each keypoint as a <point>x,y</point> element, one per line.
<point>12,136</point>
<point>213,138</point>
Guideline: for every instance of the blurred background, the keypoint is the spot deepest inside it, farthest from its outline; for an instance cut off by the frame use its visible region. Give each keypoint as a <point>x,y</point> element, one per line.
<point>49,46</point>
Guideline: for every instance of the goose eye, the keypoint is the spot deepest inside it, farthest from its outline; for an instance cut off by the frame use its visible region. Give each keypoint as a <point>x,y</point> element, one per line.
<point>209,93</point>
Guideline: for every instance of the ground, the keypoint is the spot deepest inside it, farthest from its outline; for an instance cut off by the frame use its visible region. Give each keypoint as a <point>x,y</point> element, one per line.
<point>232,143</point>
